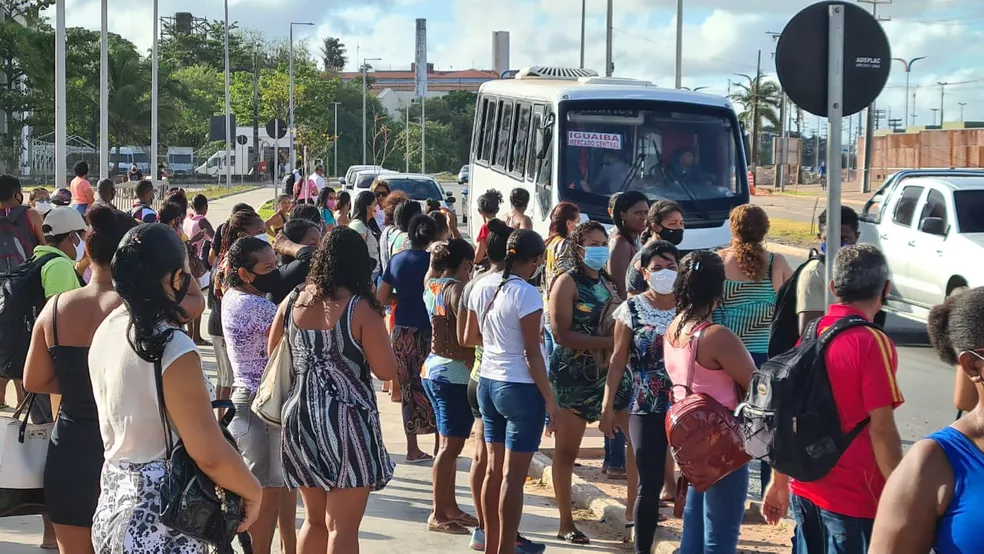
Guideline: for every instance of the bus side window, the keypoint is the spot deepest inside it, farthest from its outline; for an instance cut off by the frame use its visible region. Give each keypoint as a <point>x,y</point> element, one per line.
<point>488,131</point>
<point>543,167</point>
<point>531,161</point>
<point>521,128</point>
<point>504,135</point>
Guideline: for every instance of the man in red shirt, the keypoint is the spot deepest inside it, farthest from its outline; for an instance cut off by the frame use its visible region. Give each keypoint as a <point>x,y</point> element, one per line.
<point>835,514</point>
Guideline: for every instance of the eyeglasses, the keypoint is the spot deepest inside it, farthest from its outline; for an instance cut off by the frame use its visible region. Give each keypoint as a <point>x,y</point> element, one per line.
<point>974,353</point>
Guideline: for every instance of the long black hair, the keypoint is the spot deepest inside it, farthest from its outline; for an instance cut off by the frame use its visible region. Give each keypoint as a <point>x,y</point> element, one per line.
<point>405,212</point>
<point>658,212</point>
<point>343,261</point>
<point>360,210</point>
<point>242,255</point>
<point>451,254</point>
<point>524,245</point>
<point>107,226</point>
<point>421,231</point>
<point>146,256</point>
<point>698,287</point>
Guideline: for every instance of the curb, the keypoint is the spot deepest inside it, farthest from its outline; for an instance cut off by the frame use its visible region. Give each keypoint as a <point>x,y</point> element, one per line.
<point>787,250</point>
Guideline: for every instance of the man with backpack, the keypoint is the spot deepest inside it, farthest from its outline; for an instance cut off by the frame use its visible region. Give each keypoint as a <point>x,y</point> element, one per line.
<point>142,210</point>
<point>20,226</point>
<point>844,367</point>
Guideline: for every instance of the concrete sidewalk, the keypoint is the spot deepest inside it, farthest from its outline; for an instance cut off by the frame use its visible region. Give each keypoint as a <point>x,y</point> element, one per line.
<point>396,516</point>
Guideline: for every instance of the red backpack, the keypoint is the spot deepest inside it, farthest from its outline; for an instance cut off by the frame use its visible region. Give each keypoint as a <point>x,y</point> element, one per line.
<point>705,437</point>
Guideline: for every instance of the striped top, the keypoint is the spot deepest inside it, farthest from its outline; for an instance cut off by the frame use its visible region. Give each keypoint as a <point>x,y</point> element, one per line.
<point>747,310</point>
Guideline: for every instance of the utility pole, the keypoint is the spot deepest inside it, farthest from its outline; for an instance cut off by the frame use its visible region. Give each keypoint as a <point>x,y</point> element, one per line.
<point>779,148</point>
<point>755,113</point>
<point>869,135</point>
<point>256,113</point>
<point>334,139</point>
<point>961,104</point>
<point>584,17</point>
<point>609,61</point>
<point>104,92</point>
<point>914,104</point>
<point>935,111</point>
<point>678,73</point>
<point>942,94</point>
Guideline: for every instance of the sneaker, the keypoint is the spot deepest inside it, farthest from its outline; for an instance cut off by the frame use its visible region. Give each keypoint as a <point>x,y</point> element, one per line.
<point>477,540</point>
<point>526,546</point>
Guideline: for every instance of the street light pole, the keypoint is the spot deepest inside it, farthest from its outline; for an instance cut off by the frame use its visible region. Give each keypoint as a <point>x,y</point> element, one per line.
<point>290,126</point>
<point>942,85</point>
<point>961,104</point>
<point>61,122</point>
<point>104,91</point>
<point>154,98</point>
<point>334,139</point>
<point>584,16</point>
<point>907,65</point>
<point>365,139</point>
<point>609,27</point>
<point>679,44</point>
<point>228,104</point>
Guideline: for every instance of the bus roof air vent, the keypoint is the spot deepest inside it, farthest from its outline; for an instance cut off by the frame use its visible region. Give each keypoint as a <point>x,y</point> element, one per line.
<point>595,80</point>
<point>559,73</point>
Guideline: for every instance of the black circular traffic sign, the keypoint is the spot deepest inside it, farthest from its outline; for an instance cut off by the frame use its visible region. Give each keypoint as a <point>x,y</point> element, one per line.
<point>276,128</point>
<point>801,58</point>
<point>242,140</point>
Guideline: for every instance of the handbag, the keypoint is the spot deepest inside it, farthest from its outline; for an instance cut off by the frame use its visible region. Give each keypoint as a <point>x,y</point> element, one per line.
<point>23,453</point>
<point>191,503</point>
<point>278,375</point>
<point>444,338</point>
<point>705,438</point>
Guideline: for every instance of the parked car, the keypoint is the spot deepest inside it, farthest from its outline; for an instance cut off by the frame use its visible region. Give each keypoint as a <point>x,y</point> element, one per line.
<point>464,205</point>
<point>419,187</point>
<point>930,225</point>
<point>362,180</point>
<point>347,180</point>
<point>463,175</point>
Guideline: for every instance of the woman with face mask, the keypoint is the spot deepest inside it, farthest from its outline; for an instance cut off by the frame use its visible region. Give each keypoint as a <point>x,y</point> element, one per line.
<point>135,341</point>
<point>664,222</point>
<point>577,302</point>
<point>246,319</point>
<point>640,325</point>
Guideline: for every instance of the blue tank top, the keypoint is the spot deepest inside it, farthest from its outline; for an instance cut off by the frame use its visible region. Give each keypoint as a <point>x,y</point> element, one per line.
<point>958,531</point>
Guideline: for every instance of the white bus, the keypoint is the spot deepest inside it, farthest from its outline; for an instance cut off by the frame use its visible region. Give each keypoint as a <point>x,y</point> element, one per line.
<point>551,131</point>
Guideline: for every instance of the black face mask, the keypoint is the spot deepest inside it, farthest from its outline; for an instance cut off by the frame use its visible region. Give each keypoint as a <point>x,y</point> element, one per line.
<point>672,236</point>
<point>267,283</point>
<point>182,291</point>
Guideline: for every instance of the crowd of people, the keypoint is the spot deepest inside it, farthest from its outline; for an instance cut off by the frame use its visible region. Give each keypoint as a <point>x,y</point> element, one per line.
<point>505,340</point>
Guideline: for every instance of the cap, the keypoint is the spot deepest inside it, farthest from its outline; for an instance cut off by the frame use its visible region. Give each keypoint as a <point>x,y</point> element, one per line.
<point>62,220</point>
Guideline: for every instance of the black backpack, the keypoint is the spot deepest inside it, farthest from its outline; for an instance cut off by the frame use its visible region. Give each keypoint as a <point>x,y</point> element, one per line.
<point>15,238</point>
<point>785,321</point>
<point>21,300</point>
<point>790,417</point>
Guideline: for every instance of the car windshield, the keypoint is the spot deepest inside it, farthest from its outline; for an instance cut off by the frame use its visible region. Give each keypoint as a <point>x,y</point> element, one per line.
<point>180,158</point>
<point>416,189</point>
<point>140,157</point>
<point>364,180</point>
<point>681,152</point>
<point>970,210</point>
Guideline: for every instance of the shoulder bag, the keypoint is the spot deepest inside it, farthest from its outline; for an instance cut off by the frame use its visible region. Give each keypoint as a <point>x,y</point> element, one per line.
<point>191,503</point>
<point>278,376</point>
<point>444,338</point>
<point>23,453</point>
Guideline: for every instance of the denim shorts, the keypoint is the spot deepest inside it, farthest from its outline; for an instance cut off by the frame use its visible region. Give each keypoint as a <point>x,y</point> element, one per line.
<point>513,413</point>
<point>261,444</point>
<point>451,408</point>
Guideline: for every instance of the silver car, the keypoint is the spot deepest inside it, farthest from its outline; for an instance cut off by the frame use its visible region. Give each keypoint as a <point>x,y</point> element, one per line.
<point>930,225</point>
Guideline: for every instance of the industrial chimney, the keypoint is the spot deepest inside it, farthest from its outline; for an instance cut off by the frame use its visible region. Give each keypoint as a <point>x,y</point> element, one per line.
<point>500,51</point>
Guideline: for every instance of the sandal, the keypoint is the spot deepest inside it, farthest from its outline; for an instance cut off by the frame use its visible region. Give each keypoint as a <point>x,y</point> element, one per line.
<point>467,520</point>
<point>575,537</point>
<point>421,460</point>
<point>448,527</point>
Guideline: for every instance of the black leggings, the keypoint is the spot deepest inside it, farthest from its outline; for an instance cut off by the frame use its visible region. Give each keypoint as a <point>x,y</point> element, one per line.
<point>648,434</point>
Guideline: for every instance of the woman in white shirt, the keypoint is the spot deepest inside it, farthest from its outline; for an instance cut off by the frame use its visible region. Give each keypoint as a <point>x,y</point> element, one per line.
<point>506,319</point>
<point>363,222</point>
<point>152,277</point>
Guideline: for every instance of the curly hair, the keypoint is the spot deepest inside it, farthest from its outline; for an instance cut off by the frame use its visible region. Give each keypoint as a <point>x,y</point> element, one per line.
<point>242,255</point>
<point>489,201</point>
<point>957,325</point>
<point>577,237</point>
<point>749,226</point>
<point>393,199</point>
<point>236,228</point>
<point>698,287</point>
<point>342,261</point>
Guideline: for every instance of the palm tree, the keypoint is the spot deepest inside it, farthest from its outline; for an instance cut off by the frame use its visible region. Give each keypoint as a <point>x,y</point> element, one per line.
<point>130,100</point>
<point>760,100</point>
<point>333,54</point>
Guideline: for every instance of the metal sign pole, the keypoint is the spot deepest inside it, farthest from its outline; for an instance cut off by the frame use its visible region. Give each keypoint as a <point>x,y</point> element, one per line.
<point>276,159</point>
<point>835,121</point>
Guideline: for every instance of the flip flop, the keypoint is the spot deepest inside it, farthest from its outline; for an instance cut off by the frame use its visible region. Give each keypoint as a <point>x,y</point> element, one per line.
<point>421,460</point>
<point>448,527</point>
<point>467,520</point>
<point>575,537</point>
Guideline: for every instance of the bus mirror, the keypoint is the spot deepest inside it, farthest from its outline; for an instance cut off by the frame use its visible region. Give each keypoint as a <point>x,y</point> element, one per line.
<point>746,140</point>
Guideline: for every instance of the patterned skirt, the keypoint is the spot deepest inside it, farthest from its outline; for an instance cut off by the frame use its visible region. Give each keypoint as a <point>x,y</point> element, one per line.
<point>126,518</point>
<point>411,347</point>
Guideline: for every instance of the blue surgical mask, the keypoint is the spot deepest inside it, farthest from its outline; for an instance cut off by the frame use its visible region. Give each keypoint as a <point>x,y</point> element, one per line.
<point>596,257</point>
<point>823,246</point>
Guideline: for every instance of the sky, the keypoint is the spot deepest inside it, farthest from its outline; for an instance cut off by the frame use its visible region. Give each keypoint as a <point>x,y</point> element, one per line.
<point>721,37</point>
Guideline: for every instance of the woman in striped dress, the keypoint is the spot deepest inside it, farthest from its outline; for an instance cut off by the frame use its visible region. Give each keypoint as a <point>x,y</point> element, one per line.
<point>753,276</point>
<point>332,441</point>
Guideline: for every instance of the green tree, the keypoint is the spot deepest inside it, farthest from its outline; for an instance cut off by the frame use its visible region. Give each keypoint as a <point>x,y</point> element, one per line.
<point>760,100</point>
<point>333,55</point>
<point>22,65</point>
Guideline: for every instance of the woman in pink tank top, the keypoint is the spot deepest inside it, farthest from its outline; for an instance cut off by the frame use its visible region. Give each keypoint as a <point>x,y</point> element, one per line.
<point>710,359</point>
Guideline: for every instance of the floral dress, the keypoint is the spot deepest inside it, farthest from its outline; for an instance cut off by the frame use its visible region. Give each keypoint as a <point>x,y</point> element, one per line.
<point>650,382</point>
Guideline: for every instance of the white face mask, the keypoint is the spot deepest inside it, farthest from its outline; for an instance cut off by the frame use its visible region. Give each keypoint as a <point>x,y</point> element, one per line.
<point>662,281</point>
<point>79,249</point>
<point>263,237</point>
<point>42,207</point>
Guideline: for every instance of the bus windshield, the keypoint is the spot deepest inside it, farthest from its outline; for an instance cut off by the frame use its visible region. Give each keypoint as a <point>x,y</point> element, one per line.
<point>682,152</point>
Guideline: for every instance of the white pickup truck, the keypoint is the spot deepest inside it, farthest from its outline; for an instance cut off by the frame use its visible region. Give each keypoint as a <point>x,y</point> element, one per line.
<point>930,225</point>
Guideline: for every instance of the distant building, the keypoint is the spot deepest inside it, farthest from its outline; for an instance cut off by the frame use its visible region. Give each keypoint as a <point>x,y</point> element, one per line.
<point>437,81</point>
<point>955,144</point>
